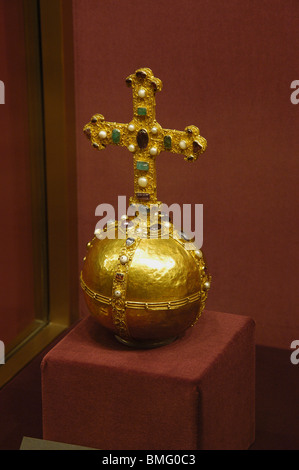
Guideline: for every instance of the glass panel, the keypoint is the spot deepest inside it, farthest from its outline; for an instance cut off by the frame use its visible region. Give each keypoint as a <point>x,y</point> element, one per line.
<point>23,307</point>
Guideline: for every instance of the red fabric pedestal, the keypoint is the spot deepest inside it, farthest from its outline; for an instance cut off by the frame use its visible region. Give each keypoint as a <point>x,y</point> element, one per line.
<point>196,393</point>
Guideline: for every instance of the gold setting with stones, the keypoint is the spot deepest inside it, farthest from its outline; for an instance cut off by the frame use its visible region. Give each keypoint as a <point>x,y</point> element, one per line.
<point>145,285</point>
<point>156,139</point>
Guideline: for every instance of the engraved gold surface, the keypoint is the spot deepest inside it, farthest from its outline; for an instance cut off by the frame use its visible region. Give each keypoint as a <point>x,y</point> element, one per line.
<point>146,290</point>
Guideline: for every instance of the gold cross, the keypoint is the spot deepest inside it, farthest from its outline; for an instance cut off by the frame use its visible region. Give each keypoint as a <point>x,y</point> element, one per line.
<point>144,136</point>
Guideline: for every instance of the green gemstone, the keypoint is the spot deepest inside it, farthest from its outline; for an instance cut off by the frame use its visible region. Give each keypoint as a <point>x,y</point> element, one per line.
<point>141,111</point>
<point>142,166</point>
<point>115,136</point>
<point>167,142</point>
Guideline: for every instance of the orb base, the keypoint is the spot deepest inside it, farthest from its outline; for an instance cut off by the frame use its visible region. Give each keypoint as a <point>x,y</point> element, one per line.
<point>145,344</point>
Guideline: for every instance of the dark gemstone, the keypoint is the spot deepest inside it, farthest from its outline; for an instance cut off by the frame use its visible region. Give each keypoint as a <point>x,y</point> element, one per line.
<point>167,142</point>
<point>130,241</point>
<point>94,119</point>
<point>95,145</point>
<point>129,82</point>
<point>197,147</point>
<point>155,228</point>
<point>142,139</point>
<point>140,74</point>
<point>143,210</point>
<point>87,132</point>
<point>119,276</point>
<point>154,85</point>
<point>190,158</point>
<point>143,196</point>
<point>189,131</point>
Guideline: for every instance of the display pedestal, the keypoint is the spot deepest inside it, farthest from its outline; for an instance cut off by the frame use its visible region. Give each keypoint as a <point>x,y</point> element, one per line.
<point>195,393</point>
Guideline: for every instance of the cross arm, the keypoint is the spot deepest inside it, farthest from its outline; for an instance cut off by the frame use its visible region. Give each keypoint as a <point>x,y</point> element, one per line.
<point>188,142</point>
<point>102,133</point>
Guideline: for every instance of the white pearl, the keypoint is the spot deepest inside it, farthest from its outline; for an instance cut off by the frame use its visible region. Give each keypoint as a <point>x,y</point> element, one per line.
<point>131,127</point>
<point>183,145</point>
<point>102,134</point>
<point>141,93</point>
<point>153,151</point>
<point>207,285</point>
<point>198,253</point>
<point>123,259</point>
<point>167,224</point>
<point>154,130</point>
<point>131,148</point>
<point>124,217</point>
<point>142,181</point>
<point>117,293</point>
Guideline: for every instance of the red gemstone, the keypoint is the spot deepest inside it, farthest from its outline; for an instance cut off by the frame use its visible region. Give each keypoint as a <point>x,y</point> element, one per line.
<point>142,139</point>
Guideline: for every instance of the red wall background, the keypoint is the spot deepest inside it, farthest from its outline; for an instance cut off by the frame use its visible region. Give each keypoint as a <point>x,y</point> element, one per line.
<point>227,68</point>
<point>17,289</point>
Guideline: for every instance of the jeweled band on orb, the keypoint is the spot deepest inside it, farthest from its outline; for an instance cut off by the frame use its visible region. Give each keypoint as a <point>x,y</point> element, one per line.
<point>165,305</point>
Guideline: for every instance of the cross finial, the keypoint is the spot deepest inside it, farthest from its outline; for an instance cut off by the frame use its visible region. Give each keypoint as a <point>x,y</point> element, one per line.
<point>144,136</point>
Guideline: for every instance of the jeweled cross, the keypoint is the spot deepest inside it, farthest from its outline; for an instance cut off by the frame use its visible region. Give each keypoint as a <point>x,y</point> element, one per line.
<point>144,136</point>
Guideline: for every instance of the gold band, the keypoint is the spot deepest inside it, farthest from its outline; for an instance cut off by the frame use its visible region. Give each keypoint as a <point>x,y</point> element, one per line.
<point>171,305</point>
<point>120,278</point>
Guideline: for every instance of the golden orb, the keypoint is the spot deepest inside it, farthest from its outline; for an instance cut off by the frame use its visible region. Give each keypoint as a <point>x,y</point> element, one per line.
<point>147,291</point>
